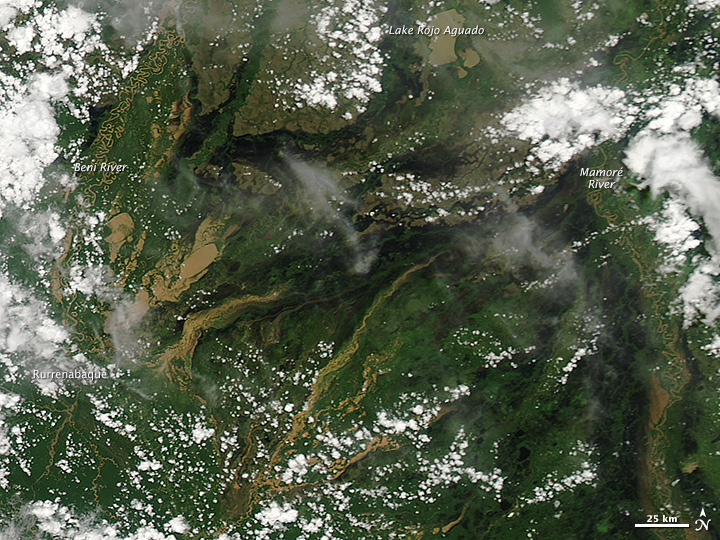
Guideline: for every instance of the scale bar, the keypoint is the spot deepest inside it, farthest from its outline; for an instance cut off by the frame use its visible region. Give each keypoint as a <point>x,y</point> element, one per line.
<point>662,525</point>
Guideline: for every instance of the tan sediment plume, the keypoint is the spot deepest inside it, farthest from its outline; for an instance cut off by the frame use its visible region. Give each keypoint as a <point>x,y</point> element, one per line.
<point>470,57</point>
<point>121,227</point>
<point>324,379</point>
<point>56,279</point>
<point>198,261</point>
<point>339,466</point>
<point>327,374</point>
<point>446,529</point>
<point>182,267</point>
<point>659,400</point>
<point>176,126</point>
<point>370,375</point>
<point>177,360</point>
<point>666,386</point>
<point>442,46</point>
<point>180,117</point>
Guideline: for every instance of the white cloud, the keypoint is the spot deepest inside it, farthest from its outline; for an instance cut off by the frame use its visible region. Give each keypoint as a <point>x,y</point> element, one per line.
<point>28,133</point>
<point>25,325</point>
<point>352,26</point>
<point>701,295</point>
<point>21,37</point>
<point>277,515</point>
<point>49,86</point>
<point>92,281</point>
<point>298,467</point>
<point>42,236</point>
<point>178,525</point>
<point>676,163</point>
<point>200,434</point>
<point>342,65</point>
<point>675,229</point>
<point>704,5</point>
<point>73,23</point>
<point>148,465</point>
<point>7,14</point>
<point>61,523</point>
<point>666,157</point>
<point>681,108</point>
<point>60,40</point>
<point>30,338</point>
<point>11,8</point>
<point>563,119</point>
<point>47,30</point>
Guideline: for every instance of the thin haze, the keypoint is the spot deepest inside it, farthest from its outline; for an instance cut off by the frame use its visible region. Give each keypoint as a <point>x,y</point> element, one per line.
<point>324,198</point>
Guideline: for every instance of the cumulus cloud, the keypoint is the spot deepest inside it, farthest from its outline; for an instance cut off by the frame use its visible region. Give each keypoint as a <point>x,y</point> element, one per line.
<point>676,163</point>
<point>178,525</point>
<point>298,467</point>
<point>41,519</point>
<point>11,8</point>
<point>30,98</point>
<point>681,108</point>
<point>356,74</point>
<point>562,120</point>
<point>31,338</point>
<point>92,281</point>
<point>704,5</point>
<point>41,234</point>
<point>701,295</point>
<point>276,515</point>
<point>28,133</point>
<point>665,156</point>
<point>28,129</point>
<point>25,325</point>
<point>7,14</point>
<point>675,229</point>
